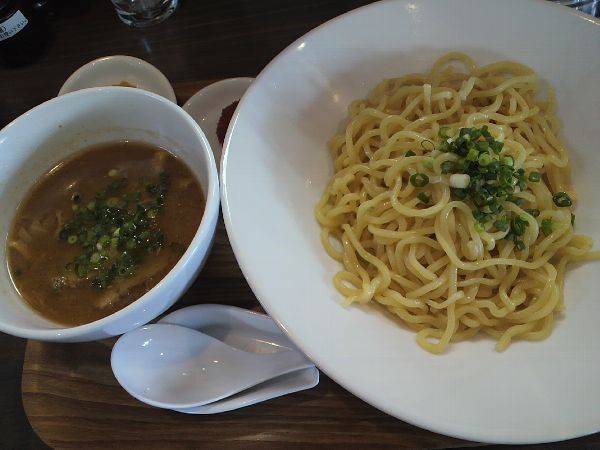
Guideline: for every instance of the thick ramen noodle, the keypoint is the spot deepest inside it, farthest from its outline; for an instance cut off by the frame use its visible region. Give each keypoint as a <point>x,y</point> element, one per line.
<point>451,204</point>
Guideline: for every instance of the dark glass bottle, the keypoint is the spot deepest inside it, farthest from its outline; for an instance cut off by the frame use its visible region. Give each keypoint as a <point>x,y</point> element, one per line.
<point>23,33</point>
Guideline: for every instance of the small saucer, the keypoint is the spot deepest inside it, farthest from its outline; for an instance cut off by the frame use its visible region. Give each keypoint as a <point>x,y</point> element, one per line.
<point>119,70</point>
<point>206,106</point>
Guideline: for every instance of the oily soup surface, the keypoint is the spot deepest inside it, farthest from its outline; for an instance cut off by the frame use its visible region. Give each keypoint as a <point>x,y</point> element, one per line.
<point>41,260</point>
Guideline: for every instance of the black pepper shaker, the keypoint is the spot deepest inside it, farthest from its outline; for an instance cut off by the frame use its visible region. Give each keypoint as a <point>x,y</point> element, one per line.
<point>23,33</point>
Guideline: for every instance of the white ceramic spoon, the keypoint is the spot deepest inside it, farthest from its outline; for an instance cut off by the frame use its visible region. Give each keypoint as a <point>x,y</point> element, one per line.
<point>250,331</point>
<point>277,387</point>
<point>238,327</point>
<point>174,367</point>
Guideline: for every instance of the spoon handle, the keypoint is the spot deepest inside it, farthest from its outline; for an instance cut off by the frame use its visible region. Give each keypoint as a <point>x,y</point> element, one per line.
<point>284,362</point>
<point>299,380</point>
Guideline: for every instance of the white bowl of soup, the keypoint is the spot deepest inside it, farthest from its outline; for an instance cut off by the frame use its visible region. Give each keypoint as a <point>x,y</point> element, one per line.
<point>110,202</point>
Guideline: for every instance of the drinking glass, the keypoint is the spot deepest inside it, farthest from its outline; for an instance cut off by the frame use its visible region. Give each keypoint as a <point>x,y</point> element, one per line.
<point>143,13</point>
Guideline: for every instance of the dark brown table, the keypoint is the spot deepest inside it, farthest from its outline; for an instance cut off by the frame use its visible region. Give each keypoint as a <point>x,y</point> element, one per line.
<point>203,40</point>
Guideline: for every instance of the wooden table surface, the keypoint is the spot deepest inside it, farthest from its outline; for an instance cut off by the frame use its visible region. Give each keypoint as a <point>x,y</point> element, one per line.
<point>203,40</point>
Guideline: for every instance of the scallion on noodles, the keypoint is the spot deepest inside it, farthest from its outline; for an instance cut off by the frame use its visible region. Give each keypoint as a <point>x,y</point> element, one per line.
<point>452,204</point>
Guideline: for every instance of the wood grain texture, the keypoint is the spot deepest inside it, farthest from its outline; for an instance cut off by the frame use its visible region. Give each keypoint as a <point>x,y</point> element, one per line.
<point>73,400</point>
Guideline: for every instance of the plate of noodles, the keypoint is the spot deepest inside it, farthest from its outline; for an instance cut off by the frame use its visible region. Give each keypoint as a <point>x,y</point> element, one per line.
<point>410,190</point>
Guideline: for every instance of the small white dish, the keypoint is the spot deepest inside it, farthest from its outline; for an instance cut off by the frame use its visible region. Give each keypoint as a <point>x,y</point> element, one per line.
<point>206,106</point>
<point>119,70</point>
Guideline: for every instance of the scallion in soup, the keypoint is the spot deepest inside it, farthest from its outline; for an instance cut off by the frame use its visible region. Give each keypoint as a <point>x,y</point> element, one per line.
<point>102,228</point>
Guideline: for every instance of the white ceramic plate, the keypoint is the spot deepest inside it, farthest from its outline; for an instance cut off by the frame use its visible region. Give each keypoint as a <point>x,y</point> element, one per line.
<point>206,106</point>
<point>276,165</point>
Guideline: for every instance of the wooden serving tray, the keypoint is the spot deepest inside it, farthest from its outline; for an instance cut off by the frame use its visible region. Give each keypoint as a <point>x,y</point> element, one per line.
<point>72,399</point>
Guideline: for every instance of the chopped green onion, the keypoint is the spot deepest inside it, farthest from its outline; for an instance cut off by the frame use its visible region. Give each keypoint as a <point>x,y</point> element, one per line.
<point>458,193</point>
<point>446,132</point>
<point>478,214</point>
<point>115,230</point>
<point>81,270</point>
<point>472,155</point>
<point>428,162</point>
<point>419,179</point>
<point>482,146</point>
<point>501,194</point>
<point>409,153</point>
<point>535,177</point>
<point>479,227</point>
<point>501,225</point>
<point>496,146</point>
<point>447,167</point>
<point>506,179</point>
<point>547,226</point>
<point>518,225</point>
<point>533,212</point>
<point>486,179</point>
<point>423,197</point>
<point>562,199</point>
<point>481,198</point>
<point>485,159</point>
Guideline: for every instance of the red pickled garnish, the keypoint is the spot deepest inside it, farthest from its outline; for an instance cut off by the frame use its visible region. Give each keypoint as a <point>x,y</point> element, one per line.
<point>224,121</point>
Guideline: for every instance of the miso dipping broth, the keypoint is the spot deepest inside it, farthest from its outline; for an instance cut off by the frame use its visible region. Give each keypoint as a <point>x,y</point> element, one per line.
<point>101,228</point>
